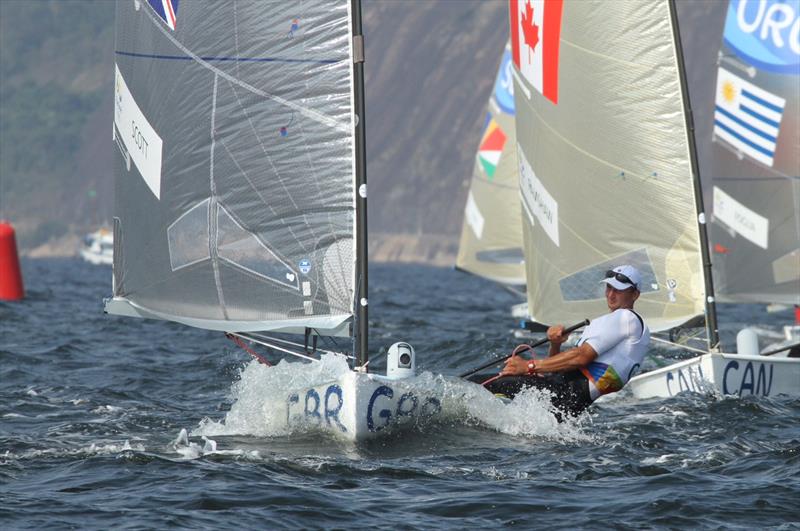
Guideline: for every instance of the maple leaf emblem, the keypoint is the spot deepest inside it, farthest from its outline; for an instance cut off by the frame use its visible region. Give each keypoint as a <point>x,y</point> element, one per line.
<point>530,31</point>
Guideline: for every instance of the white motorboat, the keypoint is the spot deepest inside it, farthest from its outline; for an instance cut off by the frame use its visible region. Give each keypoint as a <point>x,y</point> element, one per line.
<point>98,247</point>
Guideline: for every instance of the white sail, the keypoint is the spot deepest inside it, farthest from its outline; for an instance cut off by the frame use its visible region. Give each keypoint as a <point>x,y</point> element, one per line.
<point>604,159</point>
<point>491,236</point>
<point>755,184</point>
<point>235,168</point>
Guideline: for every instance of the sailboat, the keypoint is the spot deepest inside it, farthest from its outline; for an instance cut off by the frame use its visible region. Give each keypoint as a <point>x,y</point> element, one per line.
<point>98,247</point>
<point>754,185</point>
<point>609,175</point>
<point>241,194</point>
<point>491,235</point>
<point>490,245</point>
<point>755,180</point>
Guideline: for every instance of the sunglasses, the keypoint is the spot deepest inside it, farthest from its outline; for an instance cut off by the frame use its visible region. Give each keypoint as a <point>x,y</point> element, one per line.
<point>620,277</point>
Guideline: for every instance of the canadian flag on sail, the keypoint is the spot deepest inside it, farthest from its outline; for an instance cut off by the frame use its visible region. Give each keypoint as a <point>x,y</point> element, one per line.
<point>535,37</point>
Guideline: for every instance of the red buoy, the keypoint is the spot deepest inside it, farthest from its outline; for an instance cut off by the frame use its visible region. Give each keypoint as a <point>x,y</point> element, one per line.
<point>10,274</point>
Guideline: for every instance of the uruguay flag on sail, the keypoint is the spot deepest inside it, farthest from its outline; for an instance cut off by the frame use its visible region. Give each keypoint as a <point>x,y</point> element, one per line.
<point>747,117</point>
<point>167,10</point>
<point>535,38</point>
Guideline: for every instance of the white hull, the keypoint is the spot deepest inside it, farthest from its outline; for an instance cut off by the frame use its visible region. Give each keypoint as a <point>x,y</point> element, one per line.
<point>98,247</point>
<point>359,406</point>
<point>97,258</point>
<point>725,374</point>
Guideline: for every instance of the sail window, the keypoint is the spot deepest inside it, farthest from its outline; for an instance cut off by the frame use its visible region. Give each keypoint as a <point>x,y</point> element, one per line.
<point>244,250</point>
<point>585,285</point>
<point>188,237</point>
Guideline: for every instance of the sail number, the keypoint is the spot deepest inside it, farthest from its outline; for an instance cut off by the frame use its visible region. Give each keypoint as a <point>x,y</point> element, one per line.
<point>382,408</point>
<point>737,379</point>
<point>749,383</point>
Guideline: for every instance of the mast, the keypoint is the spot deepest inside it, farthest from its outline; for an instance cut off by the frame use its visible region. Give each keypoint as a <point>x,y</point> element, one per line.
<point>362,323</point>
<point>712,331</point>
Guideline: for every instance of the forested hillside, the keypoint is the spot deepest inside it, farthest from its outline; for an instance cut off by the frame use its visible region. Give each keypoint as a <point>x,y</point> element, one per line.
<point>55,59</point>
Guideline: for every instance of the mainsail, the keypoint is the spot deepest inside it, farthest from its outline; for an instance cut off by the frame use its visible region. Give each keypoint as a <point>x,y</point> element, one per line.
<point>236,187</point>
<point>605,160</point>
<point>491,236</point>
<point>755,234</point>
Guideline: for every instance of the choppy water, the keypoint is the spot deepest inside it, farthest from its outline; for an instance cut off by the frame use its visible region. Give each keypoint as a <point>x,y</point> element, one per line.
<point>93,408</point>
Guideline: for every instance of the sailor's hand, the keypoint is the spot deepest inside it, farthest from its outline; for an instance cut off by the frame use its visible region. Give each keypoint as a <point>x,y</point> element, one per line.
<point>515,366</point>
<point>555,334</point>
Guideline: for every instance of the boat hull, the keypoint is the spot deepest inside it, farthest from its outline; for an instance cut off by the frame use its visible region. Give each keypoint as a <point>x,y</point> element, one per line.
<point>97,258</point>
<point>359,406</point>
<point>725,374</point>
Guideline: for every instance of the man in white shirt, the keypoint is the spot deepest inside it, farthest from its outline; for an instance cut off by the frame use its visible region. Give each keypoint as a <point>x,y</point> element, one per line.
<point>607,355</point>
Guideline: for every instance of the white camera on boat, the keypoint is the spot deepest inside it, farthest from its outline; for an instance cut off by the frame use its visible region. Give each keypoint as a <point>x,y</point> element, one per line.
<point>400,361</point>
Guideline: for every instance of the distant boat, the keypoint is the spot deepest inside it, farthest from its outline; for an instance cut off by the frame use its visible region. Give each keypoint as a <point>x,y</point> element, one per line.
<point>98,247</point>
<point>241,193</point>
<point>609,175</point>
<point>491,235</point>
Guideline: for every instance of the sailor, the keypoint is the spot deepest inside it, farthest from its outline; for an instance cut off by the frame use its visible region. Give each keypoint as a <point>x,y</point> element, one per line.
<point>607,355</point>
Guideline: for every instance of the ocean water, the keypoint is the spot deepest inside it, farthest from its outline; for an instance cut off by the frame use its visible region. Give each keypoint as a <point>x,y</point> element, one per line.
<point>131,424</point>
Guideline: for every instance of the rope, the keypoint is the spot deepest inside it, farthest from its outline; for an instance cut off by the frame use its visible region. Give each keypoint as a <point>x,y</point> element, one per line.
<point>261,359</point>
<point>519,349</point>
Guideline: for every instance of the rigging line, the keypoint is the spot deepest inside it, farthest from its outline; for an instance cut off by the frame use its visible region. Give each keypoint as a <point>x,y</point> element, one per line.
<point>310,113</point>
<point>275,347</point>
<point>781,349</point>
<point>243,345</point>
<point>328,339</point>
<point>371,359</point>
<point>295,344</point>
<point>686,347</point>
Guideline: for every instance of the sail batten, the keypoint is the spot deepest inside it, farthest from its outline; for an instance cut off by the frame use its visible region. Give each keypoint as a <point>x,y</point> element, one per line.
<point>235,204</point>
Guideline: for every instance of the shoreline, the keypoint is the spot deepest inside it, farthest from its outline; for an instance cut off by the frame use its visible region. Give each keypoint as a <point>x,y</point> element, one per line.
<point>430,249</point>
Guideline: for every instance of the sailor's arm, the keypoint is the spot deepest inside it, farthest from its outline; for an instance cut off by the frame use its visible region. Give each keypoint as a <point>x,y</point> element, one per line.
<point>569,360</point>
<point>555,335</point>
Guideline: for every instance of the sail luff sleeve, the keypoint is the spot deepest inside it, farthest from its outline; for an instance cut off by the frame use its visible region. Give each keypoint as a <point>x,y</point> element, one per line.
<point>362,255</point>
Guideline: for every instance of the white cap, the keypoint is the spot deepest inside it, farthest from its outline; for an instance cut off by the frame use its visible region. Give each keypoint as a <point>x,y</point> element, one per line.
<point>626,271</point>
